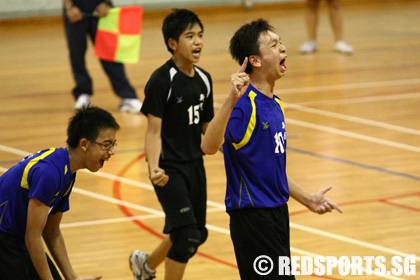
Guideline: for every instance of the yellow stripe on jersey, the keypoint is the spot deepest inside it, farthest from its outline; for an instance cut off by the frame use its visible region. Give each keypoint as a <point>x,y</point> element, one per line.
<point>24,183</point>
<point>281,105</point>
<point>251,124</point>
<point>71,185</point>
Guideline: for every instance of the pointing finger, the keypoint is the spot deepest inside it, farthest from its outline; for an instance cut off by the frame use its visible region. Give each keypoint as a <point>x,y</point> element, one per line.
<point>243,66</point>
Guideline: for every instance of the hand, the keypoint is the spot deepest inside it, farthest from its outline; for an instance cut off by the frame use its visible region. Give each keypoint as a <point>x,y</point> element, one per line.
<point>74,14</point>
<point>239,81</point>
<point>102,10</point>
<point>158,177</point>
<point>91,278</point>
<point>321,204</point>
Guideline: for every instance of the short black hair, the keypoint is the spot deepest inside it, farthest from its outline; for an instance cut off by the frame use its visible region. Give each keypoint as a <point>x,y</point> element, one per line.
<point>244,42</point>
<point>176,23</point>
<point>87,122</point>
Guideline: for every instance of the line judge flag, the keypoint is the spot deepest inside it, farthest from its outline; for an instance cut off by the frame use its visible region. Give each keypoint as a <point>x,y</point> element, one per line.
<point>118,36</point>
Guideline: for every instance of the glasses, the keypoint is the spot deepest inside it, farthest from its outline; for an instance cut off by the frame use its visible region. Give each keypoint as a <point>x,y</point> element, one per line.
<point>107,146</point>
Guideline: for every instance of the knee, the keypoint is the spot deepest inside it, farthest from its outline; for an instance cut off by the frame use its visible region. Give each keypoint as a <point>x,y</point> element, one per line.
<point>204,234</point>
<point>312,5</point>
<point>185,242</point>
<point>334,5</point>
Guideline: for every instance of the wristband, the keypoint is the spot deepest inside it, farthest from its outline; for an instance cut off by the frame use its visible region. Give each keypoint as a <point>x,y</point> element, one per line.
<point>69,6</point>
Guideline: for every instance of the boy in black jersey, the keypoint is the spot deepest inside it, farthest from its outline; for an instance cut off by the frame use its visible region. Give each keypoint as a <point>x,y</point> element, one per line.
<point>179,106</point>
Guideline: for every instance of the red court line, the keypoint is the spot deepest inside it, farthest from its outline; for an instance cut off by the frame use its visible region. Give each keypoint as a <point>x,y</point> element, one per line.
<point>382,200</point>
<point>117,195</point>
<point>399,205</point>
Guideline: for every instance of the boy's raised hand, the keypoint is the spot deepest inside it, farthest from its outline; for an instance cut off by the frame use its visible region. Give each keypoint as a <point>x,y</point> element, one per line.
<point>239,81</point>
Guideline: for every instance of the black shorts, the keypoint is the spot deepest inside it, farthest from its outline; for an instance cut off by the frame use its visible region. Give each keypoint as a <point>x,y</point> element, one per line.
<point>184,197</point>
<point>260,232</point>
<point>15,262</point>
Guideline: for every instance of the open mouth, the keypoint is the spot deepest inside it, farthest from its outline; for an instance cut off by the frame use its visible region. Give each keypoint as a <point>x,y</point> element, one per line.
<point>283,64</point>
<point>197,52</point>
<point>102,162</point>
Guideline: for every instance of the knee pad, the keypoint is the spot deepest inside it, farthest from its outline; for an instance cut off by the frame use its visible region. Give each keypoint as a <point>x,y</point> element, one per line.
<point>185,242</point>
<point>204,234</point>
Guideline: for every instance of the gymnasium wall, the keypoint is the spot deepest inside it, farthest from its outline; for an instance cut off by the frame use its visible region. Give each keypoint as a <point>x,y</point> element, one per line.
<point>35,8</point>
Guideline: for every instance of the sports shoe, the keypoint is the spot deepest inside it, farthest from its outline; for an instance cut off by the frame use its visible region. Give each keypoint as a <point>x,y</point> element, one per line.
<point>343,47</point>
<point>308,47</point>
<point>82,101</point>
<point>130,105</point>
<point>137,263</point>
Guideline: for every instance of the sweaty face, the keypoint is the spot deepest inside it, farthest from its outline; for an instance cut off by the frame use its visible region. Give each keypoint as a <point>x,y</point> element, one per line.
<point>100,150</point>
<point>190,44</point>
<point>273,55</point>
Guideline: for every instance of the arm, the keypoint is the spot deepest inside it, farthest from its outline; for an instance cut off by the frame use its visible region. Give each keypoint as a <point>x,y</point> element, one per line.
<point>73,13</point>
<point>103,8</point>
<point>214,137</point>
<point>317,203</point>
<point>153,147</point>
<point>204,127</point>
<point>38,225</point>
<point>55,243</point>
<point>36,220</point>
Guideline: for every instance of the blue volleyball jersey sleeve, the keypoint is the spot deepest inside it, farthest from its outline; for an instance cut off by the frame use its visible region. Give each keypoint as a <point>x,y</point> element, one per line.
<point>45,176</point>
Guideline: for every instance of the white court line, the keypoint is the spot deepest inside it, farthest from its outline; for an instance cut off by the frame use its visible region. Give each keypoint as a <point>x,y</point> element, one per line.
<point>353,119</point>
<point>363,99</point>
<point>388,83</point>
<point>354,135</point>
<point>352,241</point>
<point>156,213</point>
<point>108,221</point>
<point>121,220</point>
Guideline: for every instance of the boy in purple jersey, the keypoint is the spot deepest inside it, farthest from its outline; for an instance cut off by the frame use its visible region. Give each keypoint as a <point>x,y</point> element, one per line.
<point>34,194</point>
<point>251,127</point>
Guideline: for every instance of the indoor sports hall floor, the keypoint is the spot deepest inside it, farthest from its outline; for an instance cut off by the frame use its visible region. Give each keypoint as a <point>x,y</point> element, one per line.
<point>352,122</point>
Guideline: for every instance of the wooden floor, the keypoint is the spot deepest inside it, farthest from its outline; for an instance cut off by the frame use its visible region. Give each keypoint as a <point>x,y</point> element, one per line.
<point>353,122</point>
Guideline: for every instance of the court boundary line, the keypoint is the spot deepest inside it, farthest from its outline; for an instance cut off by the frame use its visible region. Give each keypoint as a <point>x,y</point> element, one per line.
<point>157,212</point>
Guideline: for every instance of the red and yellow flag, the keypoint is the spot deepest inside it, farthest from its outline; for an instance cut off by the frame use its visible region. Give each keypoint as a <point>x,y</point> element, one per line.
<point>118,36</point>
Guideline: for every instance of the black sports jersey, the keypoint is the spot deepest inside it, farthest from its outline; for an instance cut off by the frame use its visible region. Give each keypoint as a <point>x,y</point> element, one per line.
<point>184,104</point>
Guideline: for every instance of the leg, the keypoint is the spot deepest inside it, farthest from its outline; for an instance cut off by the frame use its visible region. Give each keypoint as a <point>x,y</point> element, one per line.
<point>185,241</point>
<point>175,201</point>
<point>312,18</point>
<point>114,70</point>
<point>15,261</point>
<point>174,270</point>
<point>119,82</point>
<point>14,257</point>
<point>256,232</point>
<point>160,253</point>
<point>76,41</point>
<point>336,19</point>
<point>311,25</point>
